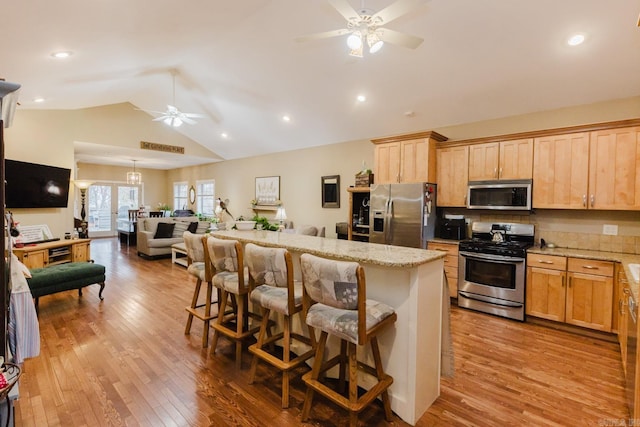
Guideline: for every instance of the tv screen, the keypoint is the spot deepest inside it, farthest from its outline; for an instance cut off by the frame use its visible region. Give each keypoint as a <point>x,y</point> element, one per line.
<point>30,185</point>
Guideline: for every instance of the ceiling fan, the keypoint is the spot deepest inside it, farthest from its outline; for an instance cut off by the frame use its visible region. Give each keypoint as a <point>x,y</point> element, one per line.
<point>174,117</point>
<point>365,25</point>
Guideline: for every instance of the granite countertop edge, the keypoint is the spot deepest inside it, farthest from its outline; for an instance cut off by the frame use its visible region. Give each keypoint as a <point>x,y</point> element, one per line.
<point>368,253</point>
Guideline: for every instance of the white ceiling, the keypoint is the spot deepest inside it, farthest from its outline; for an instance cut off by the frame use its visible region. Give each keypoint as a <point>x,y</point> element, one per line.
<point>237,63</point>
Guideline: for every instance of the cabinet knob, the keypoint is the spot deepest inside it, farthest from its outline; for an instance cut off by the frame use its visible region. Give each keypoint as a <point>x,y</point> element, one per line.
<point>584,200</point>
<point>593,200</point>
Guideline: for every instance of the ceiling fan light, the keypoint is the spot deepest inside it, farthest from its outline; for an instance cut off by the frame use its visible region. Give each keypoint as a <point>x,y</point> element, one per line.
<point>354,41</point>
<point>374,42</point>
<point>176,122</point>
<point>356,52</point>
<point>167,121</point>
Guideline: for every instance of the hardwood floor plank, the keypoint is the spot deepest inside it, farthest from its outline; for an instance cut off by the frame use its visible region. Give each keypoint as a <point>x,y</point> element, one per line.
<point>125,361</point>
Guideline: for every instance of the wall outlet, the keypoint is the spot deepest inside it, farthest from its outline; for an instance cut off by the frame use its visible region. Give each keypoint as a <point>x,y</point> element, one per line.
<point>610,229</point>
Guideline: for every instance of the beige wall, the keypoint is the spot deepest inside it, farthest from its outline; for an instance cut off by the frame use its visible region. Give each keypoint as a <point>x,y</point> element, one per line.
<point>47,137</point>
<point>300,172</point>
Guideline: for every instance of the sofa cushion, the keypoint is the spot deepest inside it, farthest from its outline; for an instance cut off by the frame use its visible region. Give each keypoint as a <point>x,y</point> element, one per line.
<point>179,229</point>
<point>193,227</point>
<point>164,230</point>
<point>164,243</point>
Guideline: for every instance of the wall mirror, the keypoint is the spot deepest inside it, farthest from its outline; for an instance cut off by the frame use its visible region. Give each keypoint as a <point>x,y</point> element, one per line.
<point>192,195</point>
<point>331,191</point>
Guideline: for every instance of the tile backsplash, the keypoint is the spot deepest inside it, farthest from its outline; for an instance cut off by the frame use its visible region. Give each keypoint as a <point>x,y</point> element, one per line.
<point>575,229</point>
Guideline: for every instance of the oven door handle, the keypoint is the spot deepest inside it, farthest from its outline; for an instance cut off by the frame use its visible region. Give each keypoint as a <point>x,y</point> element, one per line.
<point>489,300</point>
<point>493,258</point>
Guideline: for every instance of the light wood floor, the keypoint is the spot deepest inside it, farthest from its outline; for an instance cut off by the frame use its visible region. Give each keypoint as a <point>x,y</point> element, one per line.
<point>126,361</point>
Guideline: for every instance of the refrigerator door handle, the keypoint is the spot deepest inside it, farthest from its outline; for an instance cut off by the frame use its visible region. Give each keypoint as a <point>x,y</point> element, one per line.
<point>387,219</point>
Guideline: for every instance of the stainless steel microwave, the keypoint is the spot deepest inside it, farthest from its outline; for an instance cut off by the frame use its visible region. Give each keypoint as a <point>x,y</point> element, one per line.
<point>500,195</point>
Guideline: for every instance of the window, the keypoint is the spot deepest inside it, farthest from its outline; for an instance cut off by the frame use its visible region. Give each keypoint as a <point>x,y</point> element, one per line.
<point>180,200</point>
<point>205,197</point>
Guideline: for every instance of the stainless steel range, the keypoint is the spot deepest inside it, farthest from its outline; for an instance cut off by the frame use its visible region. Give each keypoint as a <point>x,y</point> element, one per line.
<point>491,268</point>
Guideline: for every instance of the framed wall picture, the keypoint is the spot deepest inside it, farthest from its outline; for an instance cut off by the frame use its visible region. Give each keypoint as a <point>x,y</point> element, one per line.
<point>331,191</point>
<point>268,190</point>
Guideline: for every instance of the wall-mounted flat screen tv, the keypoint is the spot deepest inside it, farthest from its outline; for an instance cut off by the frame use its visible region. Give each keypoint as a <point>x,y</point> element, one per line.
<point>30,185</point>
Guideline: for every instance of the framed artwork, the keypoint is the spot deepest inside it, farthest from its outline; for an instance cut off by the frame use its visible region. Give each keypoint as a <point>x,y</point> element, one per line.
<point>268,190</point>
<point>331,191</point>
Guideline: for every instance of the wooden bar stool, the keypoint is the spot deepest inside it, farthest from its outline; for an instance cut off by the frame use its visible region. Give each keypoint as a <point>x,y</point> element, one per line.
<point>231,278</point>
<point>198,268</point>
<point>273,289</point>
<point>335,302</point>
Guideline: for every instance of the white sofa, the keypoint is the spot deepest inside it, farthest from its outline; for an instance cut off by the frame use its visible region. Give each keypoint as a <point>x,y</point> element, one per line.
<point>150,246</point>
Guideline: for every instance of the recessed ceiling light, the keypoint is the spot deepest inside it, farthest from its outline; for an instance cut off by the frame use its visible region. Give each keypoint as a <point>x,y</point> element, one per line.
<point>224,135</point>
<point>286,118</point>
<point>38,99</point>
<point>575,40</point>
<point>361,98</point>
<point>62,54</point>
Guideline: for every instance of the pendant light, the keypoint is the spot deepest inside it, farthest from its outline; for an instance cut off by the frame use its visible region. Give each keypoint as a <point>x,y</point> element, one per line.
<point>133,177</point>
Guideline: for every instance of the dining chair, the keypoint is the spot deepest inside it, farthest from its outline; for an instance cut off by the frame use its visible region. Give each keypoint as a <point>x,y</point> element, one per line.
<point>274,289</point>
<point>334,301</point>
<point>231,277</point>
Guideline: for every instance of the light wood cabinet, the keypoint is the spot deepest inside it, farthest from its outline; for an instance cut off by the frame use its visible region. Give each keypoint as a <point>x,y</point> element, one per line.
<point>53,253</point>
<point>501,160</point>
<point>614,175</point>
<point>33,259</point>
<point>406,158</point>
<point>81,252</point>
<point>546,278</point>
<point>597,170</point>
<point>561,171</point>
<point>450,263</point>
<point>590,293</point>
<point>452,175</point>
<point>571,290</point>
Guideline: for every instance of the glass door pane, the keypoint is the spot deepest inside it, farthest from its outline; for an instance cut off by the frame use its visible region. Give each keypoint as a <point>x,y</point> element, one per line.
<point>100,211</point>
<point>109,203</point>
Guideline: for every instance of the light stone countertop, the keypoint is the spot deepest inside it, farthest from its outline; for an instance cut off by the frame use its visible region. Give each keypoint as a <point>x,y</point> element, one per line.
<point>368,253</point>
<point>624,259</point>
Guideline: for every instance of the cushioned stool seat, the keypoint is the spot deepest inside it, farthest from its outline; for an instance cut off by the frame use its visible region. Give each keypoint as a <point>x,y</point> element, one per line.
<point>64,277</point>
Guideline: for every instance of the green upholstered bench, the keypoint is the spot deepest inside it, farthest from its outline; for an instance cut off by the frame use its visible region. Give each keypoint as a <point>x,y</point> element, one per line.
<point>65,277</point>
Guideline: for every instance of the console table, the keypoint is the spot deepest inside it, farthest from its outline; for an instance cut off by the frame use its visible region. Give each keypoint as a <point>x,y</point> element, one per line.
<point>53,253</point>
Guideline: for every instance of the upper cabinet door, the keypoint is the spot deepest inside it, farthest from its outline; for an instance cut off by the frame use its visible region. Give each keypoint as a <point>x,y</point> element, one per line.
<point>387,163</point>
<point>614,177</point>
<point>516,159</point>
<point>418,160</point>
<point>452,175</point>
<point>561,171</point>
<point>483,161</point>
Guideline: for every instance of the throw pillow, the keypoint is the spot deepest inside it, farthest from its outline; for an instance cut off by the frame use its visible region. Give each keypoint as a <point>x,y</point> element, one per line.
<point>164,230</point>
<point>193,227</point>
<point>179,229</point>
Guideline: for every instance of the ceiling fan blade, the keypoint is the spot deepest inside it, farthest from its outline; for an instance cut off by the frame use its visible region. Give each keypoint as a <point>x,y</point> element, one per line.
<point>188,120</point>
<point>193,115</point>
<point>398,38</point>
<point>396,10</point>
<point>344,8</point>
<point>323,35</point>
<point>159,119</point>
<point>150,111</point>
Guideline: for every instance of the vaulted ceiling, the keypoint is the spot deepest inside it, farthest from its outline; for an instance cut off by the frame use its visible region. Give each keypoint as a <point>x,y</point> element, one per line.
<point>236,62</point>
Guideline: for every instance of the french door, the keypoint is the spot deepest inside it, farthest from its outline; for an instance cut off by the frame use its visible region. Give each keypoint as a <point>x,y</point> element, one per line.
<point>107,203</point>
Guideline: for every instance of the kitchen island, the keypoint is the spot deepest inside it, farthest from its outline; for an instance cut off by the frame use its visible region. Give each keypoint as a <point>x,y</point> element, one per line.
<point>411,281</point>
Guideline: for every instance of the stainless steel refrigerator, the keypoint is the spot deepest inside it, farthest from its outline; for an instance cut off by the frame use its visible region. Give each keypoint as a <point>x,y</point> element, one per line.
<point>402,214</point>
